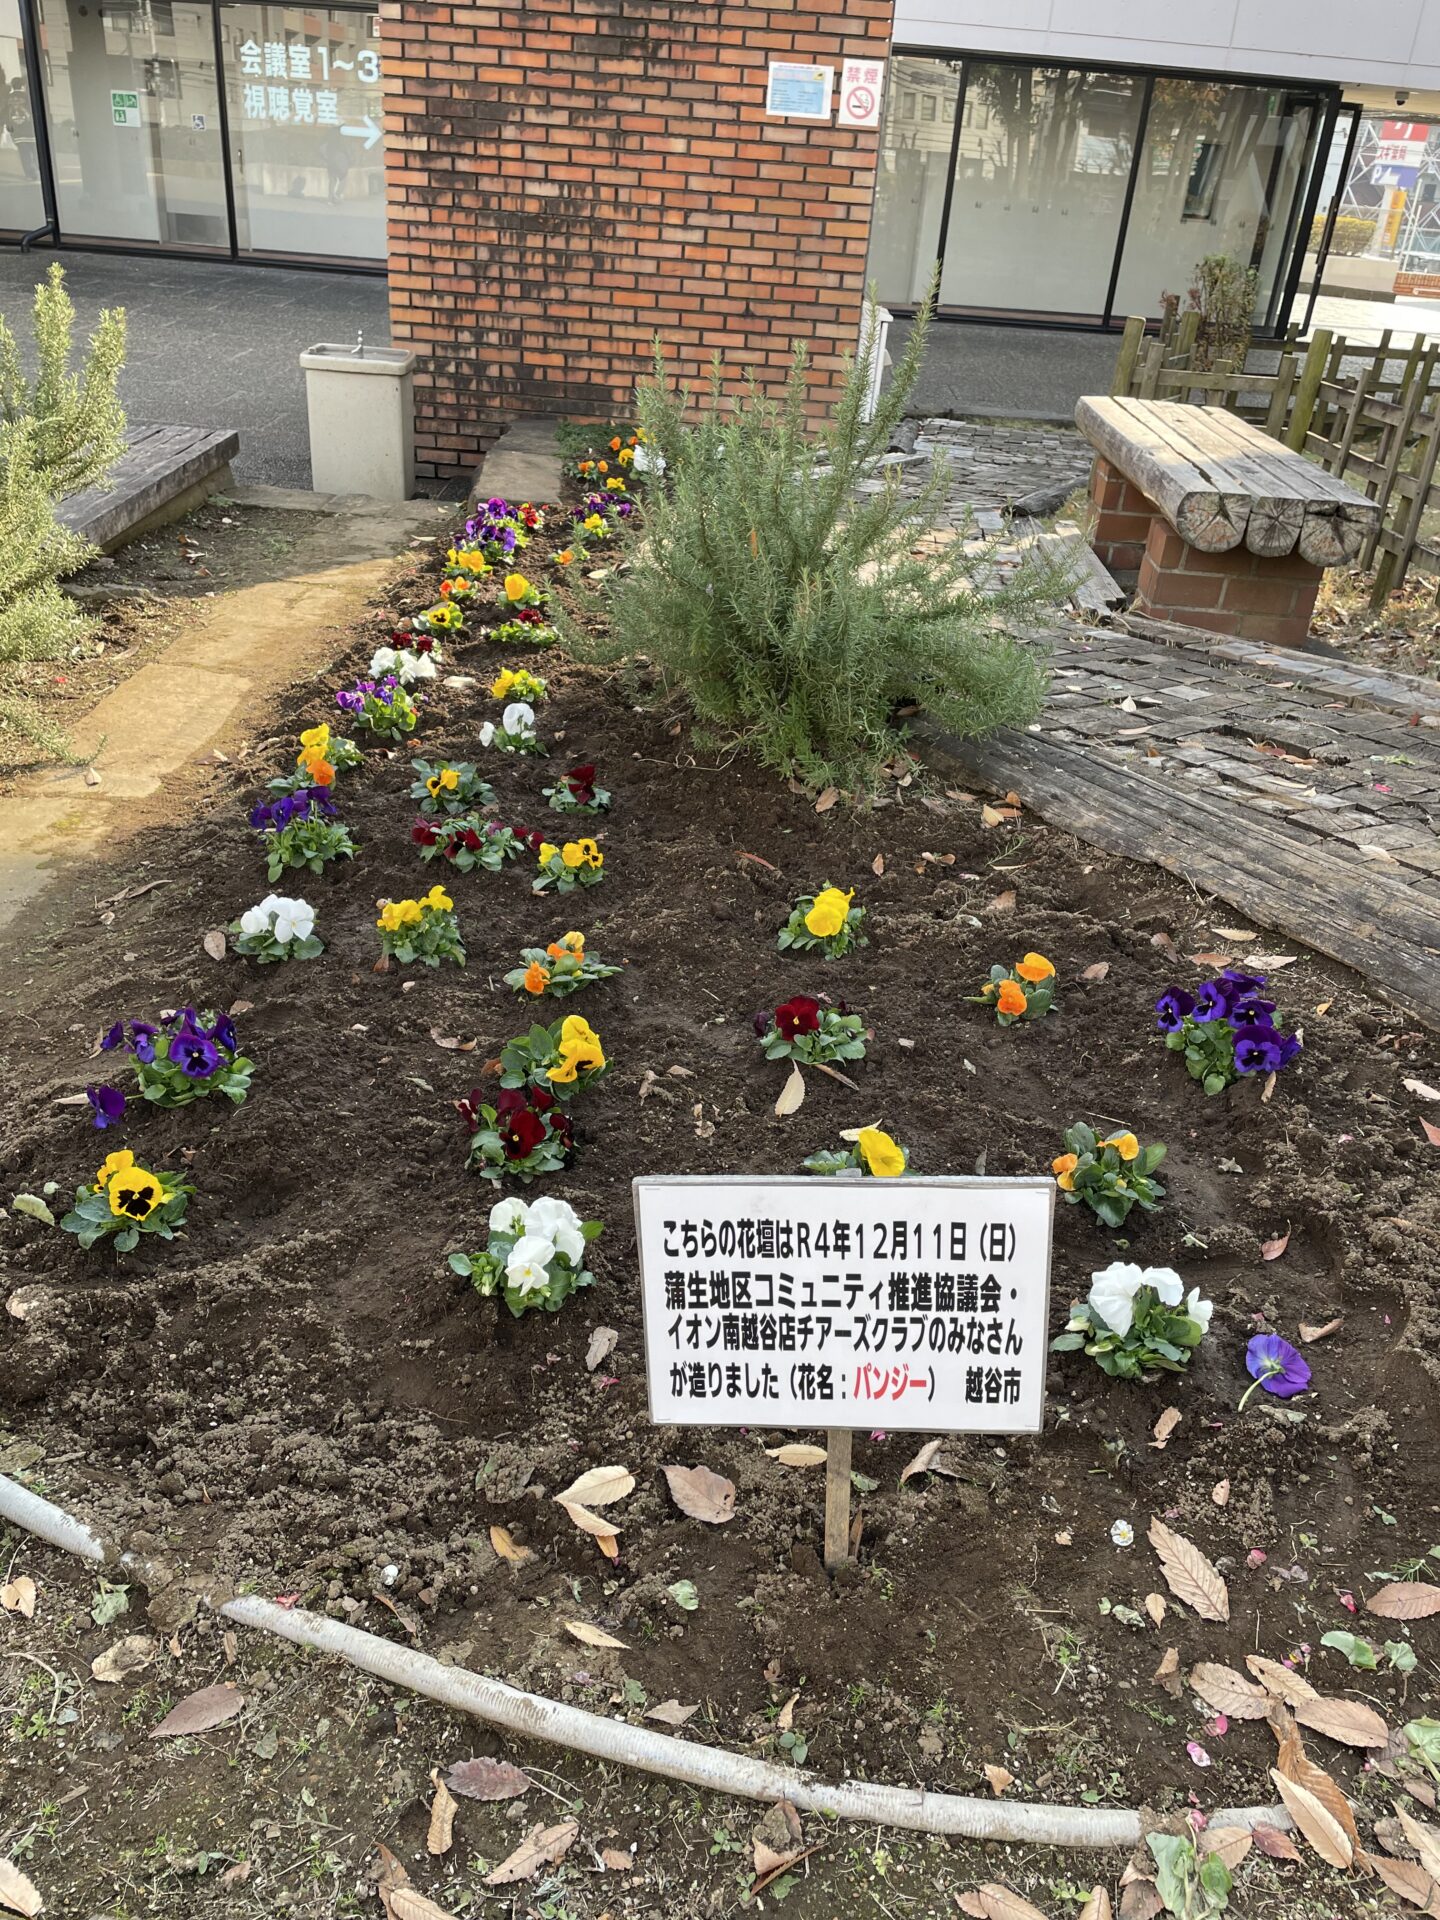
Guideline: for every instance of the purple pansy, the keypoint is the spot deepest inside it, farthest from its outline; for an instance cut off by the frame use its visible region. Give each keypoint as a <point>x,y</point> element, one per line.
<point>1258,1050</point>
<point>1275,1365</point>
<point>107,1105</point>
<point>223,1033</point>
<point>1172,1008</point>
<point>194,1053</point>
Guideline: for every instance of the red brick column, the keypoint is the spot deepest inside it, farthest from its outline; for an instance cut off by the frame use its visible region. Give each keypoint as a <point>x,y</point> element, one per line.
<point>1257,597</point>
<point>1122,517</point>
<point>568,177</point>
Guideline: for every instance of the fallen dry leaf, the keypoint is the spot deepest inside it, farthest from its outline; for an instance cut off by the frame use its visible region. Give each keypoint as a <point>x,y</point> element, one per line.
<point>827,799</point>
<point>1188,1574</point>
<point>1002,903</point>
<point>214,943</point>
<point>1280,1681</point>
<point>1272,1249</point>
<point>798,1453</point>
<point>408,1903</point>
<point>541,1847</point>
<point>877,865</point>
<point>18,1596</point>
<point>1431,1131</point>
<point>701,1494</point>
<point>451,1041</point>
<point>1420,1090</point>
<point>1231,1843</point>
<point>924,1462</point>
<point>1229,1692</point>
<point>1425,1840</point>
<point>1140,1899</point>
<point>602,1345</point>
<point>597,1488</point>
<point>999,1778</point>
<point>1220,1493</point>
<point>1350,1722</point>
<point>1274,1844</point>
<point>485,1779</point>
<point>1155,1607</point>
<point>785,1719</point>
<point>792,1095</point>
<point>440,1836</point>
<point>1097,1907</point>
<point>1320,1828</point>
<point>198,1712</point>
<point>127,1656</point>
<point>1405,1880</point>
<point>588,1522</point>
<point>1165,1426</point>
<point>593,1636</point>
<point>670,1713</point>
<point>1000,1903</point>
<point>615,1861</point>
<point>1405,1600</point>
<point>504,1543</point>
<point>1296,1765</point>
<point>1167,1674</point>
<point>1097,972</point>
<point>1311,1334</point>
<point>972,1904</point>
<point>18,1893</point>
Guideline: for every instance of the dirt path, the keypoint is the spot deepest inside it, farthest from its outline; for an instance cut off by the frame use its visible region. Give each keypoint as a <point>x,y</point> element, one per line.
<point>293,602</point>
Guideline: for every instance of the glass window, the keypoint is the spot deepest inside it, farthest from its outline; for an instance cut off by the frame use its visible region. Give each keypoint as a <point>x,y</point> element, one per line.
<point>22,205</point>
<point>913,171</point>
<point>1222,171</point>
<point>135,122</point>
<point>1040,178</point>
<point>303,93</point>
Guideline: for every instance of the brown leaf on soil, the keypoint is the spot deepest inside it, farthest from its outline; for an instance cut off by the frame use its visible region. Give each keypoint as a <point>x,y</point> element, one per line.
<point>200,1711</point>
<point>1320,1827</point>
<point>588,1522</point>
<point>1220,1493</point>
<point>827,799</point>
<point>999,1778</point>
<point>1405,1880</point>
<point>1296,1765</point>
<point>602,1345</point>
<point>440,1836</point>
<point>797,1453</point>
<point>1431,1132</point>
<point>1272,1249</point>
<point>1188,1574</point>
<point>593,1636</point>
<point>127,1656</point>
<point>214,943</point>
<point>541,1847</point>
<point>877,865</point>
<point>1140,1900</point>
<point>1405,1600</point>
<point>1283,1682</point>
<point>18,1596</point>
<point>1097,1907</point>
<point>970,1903</point>
<point>1231,1843</point>
<point>485,1779</point>
<point>18,1893</point>
<point>408,1903</point>
<point>1155,1607</point>
<point>615,1861</point>
<point>597,1487</point>
<point>1311,1334</point>
<point>1229,1692</point>
<point>924,1462</point>
<point>997,816</point>
<point>1350,1722</point>
<point>1426,1842</point>
<point>504,1543</point>
<point>1274,1844</point>
<point>1420,1090</point>
<point>1000,1903</point>
<point>670,1713</point>
<point>1097,972</point>
<point>792,1095</point>
<point>758,861</point>
<point>1003,902</point>
<point>701,1494</point>
<point>1165,1426</point>
<point>452,1042</point>
<point>1268,1088</point>
<point>1167,1674</point>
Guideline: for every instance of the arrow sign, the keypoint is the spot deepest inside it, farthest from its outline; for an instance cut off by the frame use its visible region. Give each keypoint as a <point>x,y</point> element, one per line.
<point>369,133</point>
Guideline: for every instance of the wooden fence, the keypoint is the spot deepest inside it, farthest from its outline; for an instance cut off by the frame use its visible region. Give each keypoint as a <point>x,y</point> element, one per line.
<point>1369,414</point>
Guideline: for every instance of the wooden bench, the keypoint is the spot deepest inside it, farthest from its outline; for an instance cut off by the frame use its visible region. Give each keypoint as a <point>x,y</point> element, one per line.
<point>1230,530</point>
<point>163,472</point>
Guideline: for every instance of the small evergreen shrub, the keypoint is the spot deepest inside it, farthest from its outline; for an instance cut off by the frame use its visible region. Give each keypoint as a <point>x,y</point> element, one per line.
<point>794,611</point>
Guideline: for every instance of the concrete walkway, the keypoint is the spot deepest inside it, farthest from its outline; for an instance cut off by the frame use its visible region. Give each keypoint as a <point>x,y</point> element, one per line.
<point>209,683</point>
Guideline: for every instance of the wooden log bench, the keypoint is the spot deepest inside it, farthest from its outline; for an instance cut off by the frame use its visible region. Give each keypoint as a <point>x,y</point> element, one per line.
<point>163,472</point>
<point>1230,530</point>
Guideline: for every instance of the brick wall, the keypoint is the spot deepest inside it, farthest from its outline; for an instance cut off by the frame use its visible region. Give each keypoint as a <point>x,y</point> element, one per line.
<point>567,177</point>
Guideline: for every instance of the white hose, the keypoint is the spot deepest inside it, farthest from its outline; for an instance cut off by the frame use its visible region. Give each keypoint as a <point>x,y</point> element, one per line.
<point>715,1768</point>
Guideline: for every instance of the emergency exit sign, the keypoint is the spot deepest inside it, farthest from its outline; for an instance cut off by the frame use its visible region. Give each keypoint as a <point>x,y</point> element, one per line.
<point>125,109</point>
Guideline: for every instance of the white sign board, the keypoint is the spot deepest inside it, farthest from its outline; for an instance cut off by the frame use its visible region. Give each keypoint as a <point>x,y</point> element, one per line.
<point>862,87</point>
<point>125,109</point>
<point>917,1305</point>
<point>793,92</point>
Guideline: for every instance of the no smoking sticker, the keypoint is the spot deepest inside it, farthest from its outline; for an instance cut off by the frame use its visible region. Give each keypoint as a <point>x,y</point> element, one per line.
<point>862,87</point>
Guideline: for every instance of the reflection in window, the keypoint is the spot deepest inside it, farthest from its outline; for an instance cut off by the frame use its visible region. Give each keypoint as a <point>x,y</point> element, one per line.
<point>303,91</point>
<point>21,203</point>
<point>912,174</point>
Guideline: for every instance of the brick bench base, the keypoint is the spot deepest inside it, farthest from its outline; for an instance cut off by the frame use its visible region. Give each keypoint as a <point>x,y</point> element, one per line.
<point>1247,594</point>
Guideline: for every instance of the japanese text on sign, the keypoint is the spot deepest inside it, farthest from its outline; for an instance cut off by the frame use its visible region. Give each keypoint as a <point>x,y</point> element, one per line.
<point>293,81</point>
<point>916,1305</point>
<point>793,92</point>
<point>862,83</point>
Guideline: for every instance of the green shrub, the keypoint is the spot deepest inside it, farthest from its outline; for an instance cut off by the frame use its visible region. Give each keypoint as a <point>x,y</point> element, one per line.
<point>58,433</point>
<point>1353,233</point>
<point>792,611</point>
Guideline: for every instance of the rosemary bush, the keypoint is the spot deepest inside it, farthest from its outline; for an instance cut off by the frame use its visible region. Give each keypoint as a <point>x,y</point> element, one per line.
<point>789,608</point>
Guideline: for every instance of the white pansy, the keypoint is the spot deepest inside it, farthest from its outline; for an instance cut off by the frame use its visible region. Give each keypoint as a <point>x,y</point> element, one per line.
<point>508,1216</point>
<point>294,920</point>
<point>384,660</point>
<point>1112,1294</point>
<point>487,733</point>
<point>558,1220</point>
<point>255,920</point>
<point>518,717</point>
<point>528,1268</point>
<point>1199,1310</point>
<point>418,666</point>
<point>1168,1285</point>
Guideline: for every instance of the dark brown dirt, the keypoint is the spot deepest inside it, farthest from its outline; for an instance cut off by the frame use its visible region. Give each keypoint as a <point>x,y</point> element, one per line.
<point>300,1394</point>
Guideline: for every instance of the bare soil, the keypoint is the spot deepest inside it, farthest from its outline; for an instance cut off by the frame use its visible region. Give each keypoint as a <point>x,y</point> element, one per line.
<point>300,1394</point>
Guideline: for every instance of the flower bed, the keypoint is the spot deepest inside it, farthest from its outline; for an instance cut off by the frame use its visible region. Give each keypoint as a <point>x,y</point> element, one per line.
<point>299,1389</point>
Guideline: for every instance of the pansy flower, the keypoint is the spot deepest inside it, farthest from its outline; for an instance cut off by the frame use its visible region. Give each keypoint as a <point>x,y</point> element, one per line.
<point>194,1053</point>
<point>107,1105</point>
<point>1172,1009</point>
<point>797,1016</point>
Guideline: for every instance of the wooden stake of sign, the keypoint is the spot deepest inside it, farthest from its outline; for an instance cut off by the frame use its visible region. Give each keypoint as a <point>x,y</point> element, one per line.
<point>837,1497</point>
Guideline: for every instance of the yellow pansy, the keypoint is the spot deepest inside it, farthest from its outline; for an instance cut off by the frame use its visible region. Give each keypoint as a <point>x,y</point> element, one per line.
<point>880,1153</point>
<point>445,781</point>
<point>438,899</point>
<point>592,523</point>
<point>1064,1171</point>
<point>474,562</point>
<point>516,586</point>
<point>134,1194</point>
<point>615,484</point>
<point>573,854</point>
<point>827,914</point>
<point>503,682</point>
<point>1034,968</point>
<point>314,740</point>
<point>585,852</point>
<point>548,851</point>
<point>1125,1144</point>
<point>579,1050</point>
<point>574,941</point>
<point>113,1163</point>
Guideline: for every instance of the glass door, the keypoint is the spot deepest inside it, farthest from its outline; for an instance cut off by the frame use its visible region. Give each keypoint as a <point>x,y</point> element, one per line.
<point>135,121</point>
<point>22,201</point>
